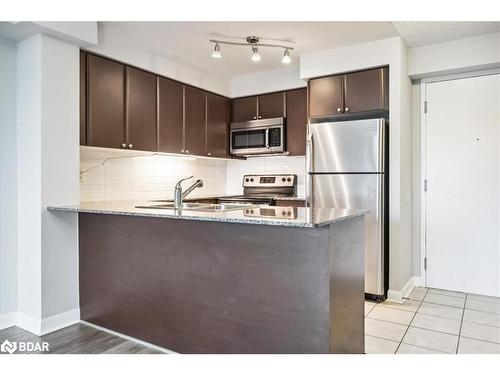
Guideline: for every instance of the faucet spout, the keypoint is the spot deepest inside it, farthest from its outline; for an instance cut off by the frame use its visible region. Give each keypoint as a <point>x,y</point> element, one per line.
<point>179,195</point>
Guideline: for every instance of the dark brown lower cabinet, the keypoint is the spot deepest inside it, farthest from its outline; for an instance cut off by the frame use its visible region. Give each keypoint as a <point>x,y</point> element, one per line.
<point>194,121</point>
<point>217,125</point>
<point>105,102</point>
<point>170,116</point>
<point>296,121</point>
<point>141,110</point>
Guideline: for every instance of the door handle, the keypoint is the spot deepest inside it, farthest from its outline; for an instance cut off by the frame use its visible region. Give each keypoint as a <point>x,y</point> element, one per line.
<point>267,137</point>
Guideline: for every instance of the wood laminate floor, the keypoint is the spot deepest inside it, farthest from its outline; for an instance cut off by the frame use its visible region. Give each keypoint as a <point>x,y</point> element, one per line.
<point>78,339</point>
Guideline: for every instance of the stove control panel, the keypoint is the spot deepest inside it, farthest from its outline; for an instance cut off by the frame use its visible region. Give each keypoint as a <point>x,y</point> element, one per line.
<point>276,180</point>
<point>272,212</point>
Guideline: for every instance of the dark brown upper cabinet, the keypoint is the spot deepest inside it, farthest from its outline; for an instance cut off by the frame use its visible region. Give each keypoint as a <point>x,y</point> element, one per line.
<point>170,116</point>
<point>83,98</point>
<point>244,109</point>
<point>194,121</point>
<point>258,107</point>
<point>140,110</point>
<point>366,90</point>
<point>296,121</point>
<point>217,125</point>
<point>105,103</point>
<point>356,92</point>
<point>326,96</point>
<point>271,105</point>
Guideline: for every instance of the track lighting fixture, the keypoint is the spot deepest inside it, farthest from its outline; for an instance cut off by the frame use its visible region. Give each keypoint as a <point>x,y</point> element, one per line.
<point>254,43</point>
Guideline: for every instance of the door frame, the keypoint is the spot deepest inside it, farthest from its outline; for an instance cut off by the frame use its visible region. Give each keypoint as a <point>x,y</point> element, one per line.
<point>423,150</point>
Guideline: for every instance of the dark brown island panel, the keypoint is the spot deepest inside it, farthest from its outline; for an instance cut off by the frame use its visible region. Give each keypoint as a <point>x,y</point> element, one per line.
<point>216,287</point>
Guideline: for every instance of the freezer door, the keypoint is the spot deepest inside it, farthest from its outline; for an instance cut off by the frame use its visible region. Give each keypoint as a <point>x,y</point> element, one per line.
<point>347,146</point>
<point>363,191</point>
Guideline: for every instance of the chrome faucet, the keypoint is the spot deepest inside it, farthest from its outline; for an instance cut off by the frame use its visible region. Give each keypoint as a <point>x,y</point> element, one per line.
<point>179,195</point>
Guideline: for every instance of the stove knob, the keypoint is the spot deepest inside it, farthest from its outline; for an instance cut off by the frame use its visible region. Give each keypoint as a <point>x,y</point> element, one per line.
<point>283,179</point>
<point>246,211</point>
<point>284,213</point>
<point>251,211</point>
<point>289,179</point>
<point>251,180</point>
<point>288,213</point>
<point>246,180</point>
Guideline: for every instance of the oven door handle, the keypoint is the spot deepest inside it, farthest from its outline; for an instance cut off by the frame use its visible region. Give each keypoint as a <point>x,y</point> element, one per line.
<point>267,137</point>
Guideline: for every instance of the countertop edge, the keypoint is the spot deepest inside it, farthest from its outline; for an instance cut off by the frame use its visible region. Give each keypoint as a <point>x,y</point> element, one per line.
<point>281,223</point>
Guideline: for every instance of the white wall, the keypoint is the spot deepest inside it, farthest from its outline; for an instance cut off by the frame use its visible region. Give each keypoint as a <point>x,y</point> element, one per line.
<point>469,54</point>
<point>48,132</point>
<point>113,45</point>
<point>8,185</point>
<point>285,78</point>
<point>392,52</point>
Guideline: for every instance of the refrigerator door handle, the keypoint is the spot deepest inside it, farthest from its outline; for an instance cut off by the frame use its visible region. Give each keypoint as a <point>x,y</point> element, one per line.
<point>309,167</point>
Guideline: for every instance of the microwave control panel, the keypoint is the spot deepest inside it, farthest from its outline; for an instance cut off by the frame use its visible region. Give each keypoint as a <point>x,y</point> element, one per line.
<point>274,137</point>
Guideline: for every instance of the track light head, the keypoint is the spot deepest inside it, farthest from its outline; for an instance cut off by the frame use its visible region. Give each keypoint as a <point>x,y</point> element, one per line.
<point>286,57</point>
<point>216,53</point>
<point>255,54</point>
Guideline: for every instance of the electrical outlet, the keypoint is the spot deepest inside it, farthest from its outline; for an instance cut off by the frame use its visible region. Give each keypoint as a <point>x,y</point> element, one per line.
<point>82,178</point>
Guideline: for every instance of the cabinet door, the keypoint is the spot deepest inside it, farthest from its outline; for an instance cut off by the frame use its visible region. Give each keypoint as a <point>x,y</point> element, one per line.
<point>106,102</point>
<point>141,110</point>
<point>366,90</point>
<point>296,121</point>
<point>83,98</point>
<point>217,132</point>
<point>272,105</point>
<point>194,121</point>
<point>326,96</point>
<point>170,116</point>
<point>244,109</point>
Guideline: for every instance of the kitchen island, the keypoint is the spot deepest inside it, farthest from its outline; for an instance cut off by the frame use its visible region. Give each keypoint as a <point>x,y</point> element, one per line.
<point>224,282</point>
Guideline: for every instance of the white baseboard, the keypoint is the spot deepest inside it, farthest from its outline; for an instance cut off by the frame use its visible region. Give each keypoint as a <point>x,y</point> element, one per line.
<point>130,338</point>
<point>399,295</point>
<point>8,320</point>
<point>38,326</point>
<point>29,323</point>
<point>56,322</point>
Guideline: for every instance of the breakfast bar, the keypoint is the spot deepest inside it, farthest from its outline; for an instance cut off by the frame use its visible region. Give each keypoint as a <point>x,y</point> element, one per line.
<point>227,281</point>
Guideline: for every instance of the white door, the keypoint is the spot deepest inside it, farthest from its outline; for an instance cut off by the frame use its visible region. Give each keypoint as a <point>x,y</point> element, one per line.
<point>462,171</point>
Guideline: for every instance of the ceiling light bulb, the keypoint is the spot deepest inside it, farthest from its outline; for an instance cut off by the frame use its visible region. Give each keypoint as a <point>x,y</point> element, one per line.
<point>255,54</point>
<point>216,53</point>
<point>286,58</point>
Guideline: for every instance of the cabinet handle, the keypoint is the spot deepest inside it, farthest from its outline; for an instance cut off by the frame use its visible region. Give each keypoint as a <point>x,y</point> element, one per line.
<point>130,145</point>
<point>260,116</point>
<point>347,109</point>
<point>209,154</point>
<point>255,117</point>
<point>339,110</point>
<point>124,145</point>
<point>182,151</point>
<point>187,151</point>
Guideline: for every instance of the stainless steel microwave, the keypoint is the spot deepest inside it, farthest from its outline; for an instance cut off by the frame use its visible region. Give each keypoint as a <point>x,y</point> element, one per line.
<point>258,137</point>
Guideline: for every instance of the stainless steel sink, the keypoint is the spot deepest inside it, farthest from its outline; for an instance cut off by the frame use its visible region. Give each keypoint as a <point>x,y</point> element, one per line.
<point>206,207</point>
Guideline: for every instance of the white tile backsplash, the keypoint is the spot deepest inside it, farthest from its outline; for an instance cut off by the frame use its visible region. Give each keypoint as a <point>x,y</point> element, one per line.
<point>112,175</point>
<point>141,176</point>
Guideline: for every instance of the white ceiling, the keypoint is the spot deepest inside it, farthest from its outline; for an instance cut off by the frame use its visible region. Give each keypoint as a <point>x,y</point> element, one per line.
<point>423,33</point>
<point>187,42</point>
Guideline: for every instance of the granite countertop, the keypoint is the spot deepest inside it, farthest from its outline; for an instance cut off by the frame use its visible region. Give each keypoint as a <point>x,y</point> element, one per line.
<point>303,218</point>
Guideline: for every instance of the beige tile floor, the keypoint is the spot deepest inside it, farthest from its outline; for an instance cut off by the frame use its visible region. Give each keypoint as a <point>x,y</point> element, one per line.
<point>434,321</point>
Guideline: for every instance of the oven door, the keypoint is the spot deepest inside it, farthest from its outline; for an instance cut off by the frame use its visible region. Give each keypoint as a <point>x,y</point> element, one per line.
<point>257,140</point>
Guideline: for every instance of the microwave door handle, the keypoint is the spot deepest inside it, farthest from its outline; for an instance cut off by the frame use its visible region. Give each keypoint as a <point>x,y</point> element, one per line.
<point>267,137</point>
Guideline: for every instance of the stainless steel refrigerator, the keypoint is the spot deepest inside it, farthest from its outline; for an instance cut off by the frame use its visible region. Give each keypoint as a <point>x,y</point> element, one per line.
<point>346,168</point>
